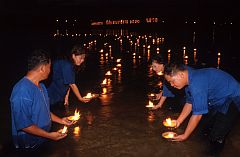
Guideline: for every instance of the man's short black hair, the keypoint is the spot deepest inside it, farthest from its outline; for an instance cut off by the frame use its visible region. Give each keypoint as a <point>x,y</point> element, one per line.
<point>38,57</point>
<point>171,69</point>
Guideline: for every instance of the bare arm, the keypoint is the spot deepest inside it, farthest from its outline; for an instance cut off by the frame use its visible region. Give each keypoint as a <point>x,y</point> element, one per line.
<point>192,124</point>
<point>66,97</point>
<point>77,93</point>
<point>59,120</point>
<point>160,103</point>
<point>35,130</point>
<point>185,112</point>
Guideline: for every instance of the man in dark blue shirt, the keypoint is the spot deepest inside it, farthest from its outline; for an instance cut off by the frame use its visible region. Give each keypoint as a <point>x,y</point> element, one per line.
<point>31,116</point>
<point>209,89</point>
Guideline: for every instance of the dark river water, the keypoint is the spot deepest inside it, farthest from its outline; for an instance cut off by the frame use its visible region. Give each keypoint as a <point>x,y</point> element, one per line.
<point>117,123</point>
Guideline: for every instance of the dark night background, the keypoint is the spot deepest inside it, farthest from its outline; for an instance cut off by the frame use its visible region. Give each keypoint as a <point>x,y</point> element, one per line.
<point>27,24</point>
<point>24,21</point>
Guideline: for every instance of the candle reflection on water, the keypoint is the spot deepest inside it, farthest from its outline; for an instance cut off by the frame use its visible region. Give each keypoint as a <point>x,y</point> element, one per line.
<point>76,131</point>
<point>195,56</point>
<point>89,118</point>
<point>218,60</point>
<point>184,51</point>
<point>186,60</point>
<point>148,54</point>
<point>151,116</point>
<point>169,56</point>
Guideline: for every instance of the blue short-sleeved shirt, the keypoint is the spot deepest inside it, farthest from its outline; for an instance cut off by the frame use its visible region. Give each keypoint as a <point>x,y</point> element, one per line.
<point>63,74</point>
<point>29,106</point>
<point>212,88</point>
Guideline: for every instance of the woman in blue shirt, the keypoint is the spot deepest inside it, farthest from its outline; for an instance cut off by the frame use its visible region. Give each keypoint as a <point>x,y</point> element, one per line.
<point>63,77</point>
<point>209,89</point>
<point>31,116</point>
<point>167,91</point>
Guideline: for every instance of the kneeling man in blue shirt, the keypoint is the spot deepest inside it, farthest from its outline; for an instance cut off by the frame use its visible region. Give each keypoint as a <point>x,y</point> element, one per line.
<point>31,116</point>
<point>209,89</point>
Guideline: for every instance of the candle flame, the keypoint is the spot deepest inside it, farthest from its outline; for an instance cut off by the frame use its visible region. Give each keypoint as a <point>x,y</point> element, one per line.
<point>108,73</point>
<point>170,135</point>
<point>169,121</point>
<point>119,65</point>
<point>64,130</point>
<point>150,104</point>
<point>76,116</point>
<point>89,95</point>
<point>104,81</point>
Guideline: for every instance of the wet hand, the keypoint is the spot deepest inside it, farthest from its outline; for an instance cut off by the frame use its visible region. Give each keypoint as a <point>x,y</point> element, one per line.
<point>177,124</point>
<point>155,107</point>
<point>66,103</point>
<point>85,100</point>
<point>57,135</point>
<point>180,138</point>
<point>67,122</point>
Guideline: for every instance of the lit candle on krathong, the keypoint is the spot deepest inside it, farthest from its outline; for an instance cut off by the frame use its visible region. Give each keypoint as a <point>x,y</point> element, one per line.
<point>75,117</point>
<point>150,104</point>
<point>88,96</point>
<point>118,60</point>
<point>115,69</point>
<point>104,82</point>
<point>119,65</point>
<point>160,73</point>
<point>169,135</point>
<point>64,130</point>
<point>108,73</point>
<point>169,122</point>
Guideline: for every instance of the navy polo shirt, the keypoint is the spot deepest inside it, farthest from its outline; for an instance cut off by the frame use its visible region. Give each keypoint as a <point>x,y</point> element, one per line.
<point>29,106</point>
<point>212,88</point>
<point>63,74</point>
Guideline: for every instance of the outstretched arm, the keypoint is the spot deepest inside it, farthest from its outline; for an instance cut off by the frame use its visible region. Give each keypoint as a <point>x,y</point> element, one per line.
<point>66,97</point>
<point>77,93</point>
<point>160,103</point>
<point>185,112</point>
<point>192,124</point>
